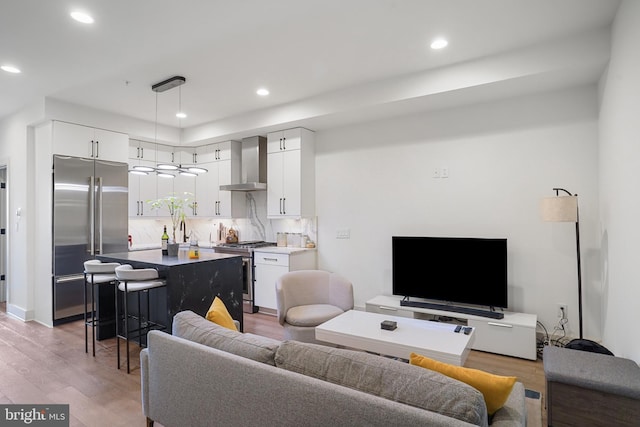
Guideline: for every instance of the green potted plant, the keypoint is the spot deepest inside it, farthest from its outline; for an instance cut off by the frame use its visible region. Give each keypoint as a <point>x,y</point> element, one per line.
<point>176,207</point>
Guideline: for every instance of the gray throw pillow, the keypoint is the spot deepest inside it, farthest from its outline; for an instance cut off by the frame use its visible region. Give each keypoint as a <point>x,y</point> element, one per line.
<point>191,326</point>
<point>388,378</point>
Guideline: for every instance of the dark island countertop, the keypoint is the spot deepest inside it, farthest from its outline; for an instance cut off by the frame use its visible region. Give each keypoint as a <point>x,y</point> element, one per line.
<point>192,284</point>
<point>155,257</point>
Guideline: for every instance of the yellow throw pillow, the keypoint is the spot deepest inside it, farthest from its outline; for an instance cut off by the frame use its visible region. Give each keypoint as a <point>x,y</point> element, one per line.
<point>494,388</point>
<point>219,314</point>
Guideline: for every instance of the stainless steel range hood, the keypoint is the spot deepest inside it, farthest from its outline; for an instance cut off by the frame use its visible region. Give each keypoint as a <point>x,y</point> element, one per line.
<point>254,166</point>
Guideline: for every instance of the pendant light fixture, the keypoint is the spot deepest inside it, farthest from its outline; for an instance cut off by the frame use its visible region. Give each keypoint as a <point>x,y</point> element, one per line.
<point>164,169</point>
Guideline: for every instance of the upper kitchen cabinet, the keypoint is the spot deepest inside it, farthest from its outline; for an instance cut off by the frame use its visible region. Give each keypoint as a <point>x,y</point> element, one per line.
<point>83,141</point>
<point>222,162</point>
<point>149,151</point>
<point>164,154</point>
<point>223,168</point>
<point>228,204</point>
<point>142,189</point>
<point>183,155</point>
<point>291,174</point>
<point>216,152</point>
<point>286,140</point>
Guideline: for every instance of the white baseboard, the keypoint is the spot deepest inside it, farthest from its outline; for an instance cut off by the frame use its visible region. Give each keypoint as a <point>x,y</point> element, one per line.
<point>20,313</point>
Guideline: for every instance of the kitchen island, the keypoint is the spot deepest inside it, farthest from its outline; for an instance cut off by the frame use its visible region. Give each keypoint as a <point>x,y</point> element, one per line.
<point>192,284</point>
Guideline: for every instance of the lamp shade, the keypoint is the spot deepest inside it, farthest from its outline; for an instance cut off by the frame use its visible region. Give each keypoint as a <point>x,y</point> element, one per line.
<point>559,209</point>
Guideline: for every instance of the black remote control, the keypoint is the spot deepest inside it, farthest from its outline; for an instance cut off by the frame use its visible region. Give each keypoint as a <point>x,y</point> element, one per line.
<point>467,330</point>
<point>458,328</point>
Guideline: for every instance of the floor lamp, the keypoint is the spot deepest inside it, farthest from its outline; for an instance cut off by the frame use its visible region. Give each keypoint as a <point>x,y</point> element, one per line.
<point>565,209</point>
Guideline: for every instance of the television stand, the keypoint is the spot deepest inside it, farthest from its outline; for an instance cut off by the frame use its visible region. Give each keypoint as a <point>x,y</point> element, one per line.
<point>513,335</point>
<point>453,308</point>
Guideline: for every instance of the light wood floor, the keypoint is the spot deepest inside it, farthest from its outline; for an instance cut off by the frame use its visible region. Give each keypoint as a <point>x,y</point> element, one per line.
<point>40,365</point>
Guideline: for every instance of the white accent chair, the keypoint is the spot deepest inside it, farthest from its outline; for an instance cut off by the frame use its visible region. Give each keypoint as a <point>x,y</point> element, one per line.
<point>307,298</point>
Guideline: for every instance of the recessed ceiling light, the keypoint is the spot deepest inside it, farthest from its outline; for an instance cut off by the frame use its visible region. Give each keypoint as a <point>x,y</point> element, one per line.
<point>439,43</point>
<point>262,92</point>
<point>11,69</point>
<point>181,115</point>
<point>82,17</point>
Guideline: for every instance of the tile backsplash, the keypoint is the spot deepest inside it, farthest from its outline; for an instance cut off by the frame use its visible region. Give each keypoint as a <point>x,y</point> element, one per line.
<point>146,232</point>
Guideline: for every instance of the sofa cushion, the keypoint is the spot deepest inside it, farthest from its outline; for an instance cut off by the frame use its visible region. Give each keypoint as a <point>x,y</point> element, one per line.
<point>494,388</point>
<point>219,314</point>
<point>312,315</point>
<point>386,378</point>
<point>191,326</point>
<point>595,371</point>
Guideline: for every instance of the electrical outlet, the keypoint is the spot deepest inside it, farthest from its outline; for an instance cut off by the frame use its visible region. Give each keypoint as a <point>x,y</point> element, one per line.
<point>562,311</point>
<point>343,233</point>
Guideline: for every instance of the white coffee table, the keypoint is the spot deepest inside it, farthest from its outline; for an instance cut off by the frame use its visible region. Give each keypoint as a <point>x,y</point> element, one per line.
<point>361,330</point>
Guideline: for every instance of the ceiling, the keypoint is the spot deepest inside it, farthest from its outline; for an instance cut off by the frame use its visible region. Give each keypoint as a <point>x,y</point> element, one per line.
<point>325,62</point>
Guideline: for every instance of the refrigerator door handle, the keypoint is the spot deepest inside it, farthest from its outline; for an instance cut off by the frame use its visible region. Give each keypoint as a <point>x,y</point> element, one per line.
<point>99,213</point>
<point>69,278</point>
<point>92,207</point>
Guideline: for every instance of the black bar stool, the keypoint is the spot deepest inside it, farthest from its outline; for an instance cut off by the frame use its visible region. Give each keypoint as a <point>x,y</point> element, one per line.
<point>95,273</point>
<point>136,281</point>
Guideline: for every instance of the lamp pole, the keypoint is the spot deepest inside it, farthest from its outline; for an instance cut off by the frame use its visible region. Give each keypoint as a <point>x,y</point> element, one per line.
<point>578,258</point>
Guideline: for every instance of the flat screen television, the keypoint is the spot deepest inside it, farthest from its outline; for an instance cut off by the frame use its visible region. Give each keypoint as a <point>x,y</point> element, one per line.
<point>451,269</point>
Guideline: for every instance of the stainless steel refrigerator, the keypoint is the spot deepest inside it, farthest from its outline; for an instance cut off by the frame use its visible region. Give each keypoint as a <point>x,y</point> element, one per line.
<point>89,218</point>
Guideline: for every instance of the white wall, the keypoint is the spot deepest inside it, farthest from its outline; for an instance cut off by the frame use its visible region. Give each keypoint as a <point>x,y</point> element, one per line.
<point>620,178</point>
<point>16,152</point>
<point>376,180</point>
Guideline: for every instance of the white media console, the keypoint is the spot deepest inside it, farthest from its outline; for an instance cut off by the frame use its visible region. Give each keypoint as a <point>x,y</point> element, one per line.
<point>513,335</point>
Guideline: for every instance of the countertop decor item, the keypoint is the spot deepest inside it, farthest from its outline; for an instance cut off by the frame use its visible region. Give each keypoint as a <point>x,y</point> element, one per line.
<point>176,206</point>
<point>232,237</point>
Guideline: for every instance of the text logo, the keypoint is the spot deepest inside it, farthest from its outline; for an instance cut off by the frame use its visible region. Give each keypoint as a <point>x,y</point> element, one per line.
<point>34,415</point>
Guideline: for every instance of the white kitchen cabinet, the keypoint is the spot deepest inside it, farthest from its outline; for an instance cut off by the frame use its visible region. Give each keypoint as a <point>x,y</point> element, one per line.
<point>84,141</point>
<point>204,154</point>
<point>164,154</point>
<point>185,187</point>
<point>142,188</point>
<point>205,190</point>
<point>226,170</point>
<point>149,151</point>
<point>184,156</point>
<point>226,204</point>
<point>223,167</point>
<point>141,150</point>
<point>269,266</point>
<point>227,150</point>
<point>164,188</point>
<point>290,174</point>
<point>222,162</point>
<point>290,139</point>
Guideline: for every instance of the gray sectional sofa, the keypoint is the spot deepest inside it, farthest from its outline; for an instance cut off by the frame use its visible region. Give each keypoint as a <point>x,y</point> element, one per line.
<point>204,374</point>
<point>585,388</point>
